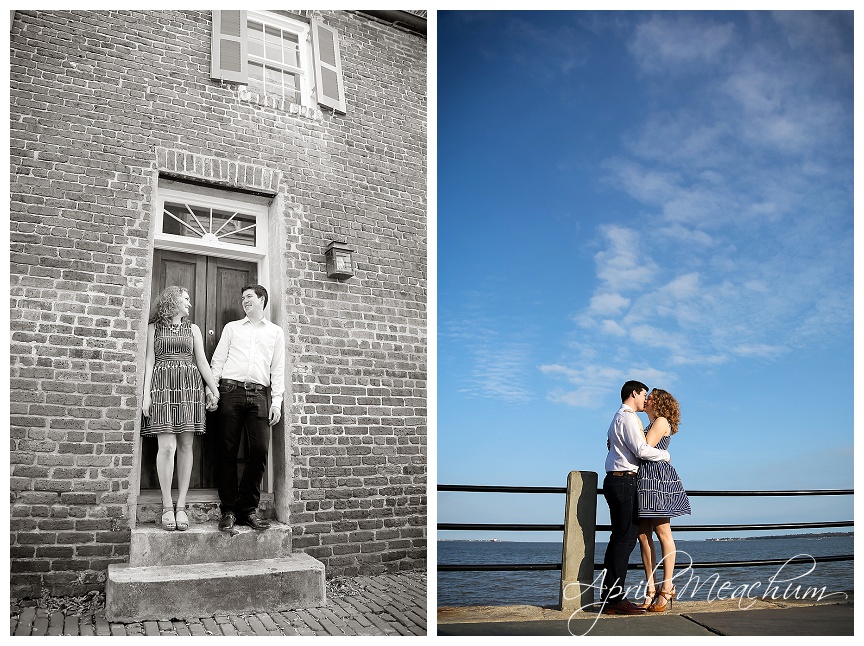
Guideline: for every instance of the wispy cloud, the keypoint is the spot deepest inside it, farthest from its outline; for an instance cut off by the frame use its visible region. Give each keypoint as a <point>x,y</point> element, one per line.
<point>592,383</point>
<point>500,370</point>
<point>550,52</point>
<point>501,361</point>
<point>743,248</point>
<point>679,43</point>
<point>547,51</point>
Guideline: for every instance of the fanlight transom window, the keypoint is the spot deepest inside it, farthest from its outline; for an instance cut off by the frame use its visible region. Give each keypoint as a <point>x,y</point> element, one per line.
<point>209,224</point>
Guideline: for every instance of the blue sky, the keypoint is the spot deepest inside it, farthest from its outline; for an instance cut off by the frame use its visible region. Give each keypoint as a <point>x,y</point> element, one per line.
<point>663,196</point>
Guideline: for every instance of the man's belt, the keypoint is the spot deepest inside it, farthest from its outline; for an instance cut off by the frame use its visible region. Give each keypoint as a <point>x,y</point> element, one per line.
<point>245,385</point>
<point>621,473</point>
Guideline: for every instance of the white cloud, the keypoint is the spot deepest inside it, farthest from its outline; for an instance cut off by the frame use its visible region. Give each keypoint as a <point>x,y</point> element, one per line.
<point>680,136</point>
<point>759,350</point>
<point>550,52</point>
<point>500,371</point>
<point>745,214</point>
<point>691,237</point>
<point>621,267</point>
<point>682,287</point>
<point>679,43</point>
<point>593,383</point>
<point>612,328</point>
<point>606,304</point>
<point>651,186</point>
<point>500,360</point>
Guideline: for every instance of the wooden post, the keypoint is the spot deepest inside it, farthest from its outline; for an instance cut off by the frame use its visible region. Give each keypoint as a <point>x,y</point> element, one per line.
<point>580,521</point>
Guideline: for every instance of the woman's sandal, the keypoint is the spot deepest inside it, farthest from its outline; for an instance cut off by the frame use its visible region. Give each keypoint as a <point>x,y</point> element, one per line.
<point>650,597</point>
<point>168,520</point>
<point>667,601</point>
<point>182,522</point>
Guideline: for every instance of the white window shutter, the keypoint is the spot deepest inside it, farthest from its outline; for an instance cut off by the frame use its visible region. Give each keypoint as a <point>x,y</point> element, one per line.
<point>229,54</point>
<point>328,66</point>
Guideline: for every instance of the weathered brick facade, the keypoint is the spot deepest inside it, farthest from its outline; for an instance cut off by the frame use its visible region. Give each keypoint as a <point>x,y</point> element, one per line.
<point>103,104</point>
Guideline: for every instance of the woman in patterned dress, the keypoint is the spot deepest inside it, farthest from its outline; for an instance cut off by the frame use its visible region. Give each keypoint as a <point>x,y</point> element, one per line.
<point>173,402</point>
<point>660,496</point>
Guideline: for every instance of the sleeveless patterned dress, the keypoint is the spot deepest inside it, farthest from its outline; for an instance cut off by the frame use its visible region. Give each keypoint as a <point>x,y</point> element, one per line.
<point>176,390</point>
<point>660,493</point>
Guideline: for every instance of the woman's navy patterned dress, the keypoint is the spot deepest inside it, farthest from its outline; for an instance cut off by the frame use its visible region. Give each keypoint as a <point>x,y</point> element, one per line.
<point>176,390</point>
<point>659,490</point>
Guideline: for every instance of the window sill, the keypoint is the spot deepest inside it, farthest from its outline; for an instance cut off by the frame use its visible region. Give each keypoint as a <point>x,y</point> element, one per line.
<point>282,105</point>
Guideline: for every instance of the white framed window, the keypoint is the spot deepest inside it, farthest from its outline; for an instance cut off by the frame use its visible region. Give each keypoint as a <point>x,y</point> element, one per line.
<point>278,56</point>
<point>208,224</point>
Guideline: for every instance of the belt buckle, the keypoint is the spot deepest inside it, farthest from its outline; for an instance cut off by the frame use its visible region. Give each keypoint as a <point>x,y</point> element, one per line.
<point>248,385</point>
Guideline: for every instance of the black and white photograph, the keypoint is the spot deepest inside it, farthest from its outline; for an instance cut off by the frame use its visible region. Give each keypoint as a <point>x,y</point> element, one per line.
<point>218,334</point>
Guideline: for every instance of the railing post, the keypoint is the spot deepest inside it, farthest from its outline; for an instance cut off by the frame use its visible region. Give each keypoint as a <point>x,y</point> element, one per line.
<point>580,521</point>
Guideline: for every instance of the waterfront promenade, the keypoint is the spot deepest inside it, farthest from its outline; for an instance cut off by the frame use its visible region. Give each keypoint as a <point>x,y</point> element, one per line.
<point>387,604</point>
<point>833,616</point>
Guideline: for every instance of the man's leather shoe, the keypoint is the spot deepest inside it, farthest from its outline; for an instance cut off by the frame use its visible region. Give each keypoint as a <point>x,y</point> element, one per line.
<point>254,522</point>
<point>623,608</point>
<point>227,522</point>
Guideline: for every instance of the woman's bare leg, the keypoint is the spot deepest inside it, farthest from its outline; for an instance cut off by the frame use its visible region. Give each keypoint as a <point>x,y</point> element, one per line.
<point>649,555</point>
<point>667,544</point>
<point>165,466</point>
<point>184,465</point>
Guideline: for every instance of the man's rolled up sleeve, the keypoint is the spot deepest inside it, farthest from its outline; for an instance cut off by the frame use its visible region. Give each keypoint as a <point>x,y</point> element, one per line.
<point>277,371</point>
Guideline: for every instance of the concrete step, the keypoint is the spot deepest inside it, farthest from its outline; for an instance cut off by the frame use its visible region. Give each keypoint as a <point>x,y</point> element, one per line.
<point>207,589</point>
<point>205,543</point>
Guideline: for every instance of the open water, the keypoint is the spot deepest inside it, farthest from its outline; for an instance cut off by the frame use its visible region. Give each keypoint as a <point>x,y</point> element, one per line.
<point>541,588</point>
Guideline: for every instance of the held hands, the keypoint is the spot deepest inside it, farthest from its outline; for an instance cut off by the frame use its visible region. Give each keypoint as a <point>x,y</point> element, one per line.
<point>145,405</point>
<point>212,401</point>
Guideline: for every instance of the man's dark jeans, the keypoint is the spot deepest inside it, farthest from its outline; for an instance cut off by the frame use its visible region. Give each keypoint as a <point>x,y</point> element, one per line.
<point>620,494</point>
<point>239,408</point>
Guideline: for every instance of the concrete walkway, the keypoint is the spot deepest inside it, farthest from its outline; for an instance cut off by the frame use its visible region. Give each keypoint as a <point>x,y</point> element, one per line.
<point>833,616</point>
<point>387,604</point>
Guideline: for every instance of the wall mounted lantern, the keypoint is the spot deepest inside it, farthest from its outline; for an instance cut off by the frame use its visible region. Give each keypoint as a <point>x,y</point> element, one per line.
<point>339,262</point>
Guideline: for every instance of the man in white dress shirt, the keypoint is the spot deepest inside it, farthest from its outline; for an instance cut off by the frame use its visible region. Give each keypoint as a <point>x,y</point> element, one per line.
<point>248,362</point>
<point>627,446</point>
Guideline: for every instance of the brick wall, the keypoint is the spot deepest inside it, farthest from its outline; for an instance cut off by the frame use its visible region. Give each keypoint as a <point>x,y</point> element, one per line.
<point>99,102</point>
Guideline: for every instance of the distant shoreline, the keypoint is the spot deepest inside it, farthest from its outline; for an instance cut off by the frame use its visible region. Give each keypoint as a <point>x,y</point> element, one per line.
<point>750,538</point>
<point>735,538</point>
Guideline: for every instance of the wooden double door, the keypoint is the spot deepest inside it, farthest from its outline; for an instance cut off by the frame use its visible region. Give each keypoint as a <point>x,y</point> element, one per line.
<point>214,286</point>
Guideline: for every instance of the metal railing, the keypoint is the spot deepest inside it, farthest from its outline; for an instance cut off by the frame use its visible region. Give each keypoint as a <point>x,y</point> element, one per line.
<point>503,567</point>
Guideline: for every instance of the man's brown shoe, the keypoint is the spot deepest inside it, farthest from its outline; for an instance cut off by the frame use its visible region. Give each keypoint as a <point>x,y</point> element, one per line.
<point>623,608</point>
<point>227,521</point>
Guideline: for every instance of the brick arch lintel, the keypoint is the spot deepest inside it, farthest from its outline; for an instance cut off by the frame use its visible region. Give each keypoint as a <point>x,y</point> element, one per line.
<point>217,170</point>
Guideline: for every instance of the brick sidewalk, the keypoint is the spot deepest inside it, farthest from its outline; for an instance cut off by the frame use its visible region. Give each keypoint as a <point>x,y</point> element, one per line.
<point>387,604</point>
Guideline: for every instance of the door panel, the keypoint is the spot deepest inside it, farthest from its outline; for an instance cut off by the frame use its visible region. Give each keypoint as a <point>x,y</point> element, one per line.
<point>184,270</point>
<point>225,279</point>
<point>214,286</point>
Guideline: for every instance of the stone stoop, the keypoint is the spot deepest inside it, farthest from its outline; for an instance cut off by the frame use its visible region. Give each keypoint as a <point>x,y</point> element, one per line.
<point>204,543</point>
<point>203,572</point>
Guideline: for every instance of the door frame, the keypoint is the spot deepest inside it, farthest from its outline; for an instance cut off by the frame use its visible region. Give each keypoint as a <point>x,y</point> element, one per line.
<point>212,197</point>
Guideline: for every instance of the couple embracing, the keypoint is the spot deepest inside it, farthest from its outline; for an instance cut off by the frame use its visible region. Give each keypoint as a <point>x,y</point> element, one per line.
<point>643,492</point>
<point>245,382</point>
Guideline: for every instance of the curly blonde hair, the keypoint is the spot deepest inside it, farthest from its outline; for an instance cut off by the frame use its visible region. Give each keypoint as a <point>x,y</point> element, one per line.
<point>166,305</point>
<point>665,405</point>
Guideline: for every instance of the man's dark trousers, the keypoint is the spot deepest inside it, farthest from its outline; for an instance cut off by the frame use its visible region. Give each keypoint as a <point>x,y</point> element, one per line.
<point>239,408</point>
<point>620,494</point>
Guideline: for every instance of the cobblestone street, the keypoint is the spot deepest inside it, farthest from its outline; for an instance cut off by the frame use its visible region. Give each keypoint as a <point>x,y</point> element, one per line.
<point>387,604</point>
